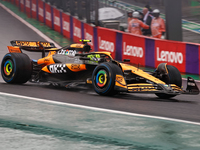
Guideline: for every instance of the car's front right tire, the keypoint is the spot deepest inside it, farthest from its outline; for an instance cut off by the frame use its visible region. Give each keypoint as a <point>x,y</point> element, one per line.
<point>174,78</point>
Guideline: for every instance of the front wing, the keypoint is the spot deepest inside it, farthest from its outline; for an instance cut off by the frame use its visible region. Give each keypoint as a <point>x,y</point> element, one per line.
<point>170,89</point>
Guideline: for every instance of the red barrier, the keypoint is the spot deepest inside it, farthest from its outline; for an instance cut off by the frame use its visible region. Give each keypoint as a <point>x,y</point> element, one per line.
<point>89,34</point>
<point>56,16</point>
<point>106,40</point>
<point>133,49</point>
<point>171,52</point>
<point>48,20</point>
<point>41,11</point>
<point>66,25</point>
<point>13,1</point>
<point>22,5</point>
<point>76,30</point>
<point>28,8</point>
<point>34,9</point>
<point>17,3</point>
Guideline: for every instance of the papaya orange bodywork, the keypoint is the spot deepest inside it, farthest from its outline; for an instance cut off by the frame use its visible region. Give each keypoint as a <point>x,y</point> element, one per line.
<point>76,67</point>
<point>141,73</point>
<point>46,60</point>
<point>120,81</point>
<point>14,49</point>
<point>45,69</point>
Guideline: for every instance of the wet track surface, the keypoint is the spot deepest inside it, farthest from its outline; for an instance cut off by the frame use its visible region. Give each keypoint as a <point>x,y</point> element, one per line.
<point>184,107</point>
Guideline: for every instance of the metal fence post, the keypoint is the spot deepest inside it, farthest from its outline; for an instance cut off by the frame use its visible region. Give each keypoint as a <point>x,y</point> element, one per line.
<point>173,19</point>
<point>97,13</point>
<point>79,9</point>
<point>88,11</point>
<point>72,7</point>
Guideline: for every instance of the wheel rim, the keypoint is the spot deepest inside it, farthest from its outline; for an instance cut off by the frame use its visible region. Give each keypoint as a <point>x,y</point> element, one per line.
<point>8,68</point>
<point>101,78</point>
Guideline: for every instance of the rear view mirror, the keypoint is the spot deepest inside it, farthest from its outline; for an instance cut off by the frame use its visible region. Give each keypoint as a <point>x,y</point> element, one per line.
<point>126,60</point>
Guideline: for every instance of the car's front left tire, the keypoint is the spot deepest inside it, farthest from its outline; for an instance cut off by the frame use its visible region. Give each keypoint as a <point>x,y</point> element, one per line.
<point>103,78</point>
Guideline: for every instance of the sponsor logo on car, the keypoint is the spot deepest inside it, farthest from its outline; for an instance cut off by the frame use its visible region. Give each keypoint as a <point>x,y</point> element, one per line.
<point>57,68</point>
<point>75,66</point>
<point>67,52</point>
<point>169,56</point>
<point>32,44</point>
<point>191,84</point>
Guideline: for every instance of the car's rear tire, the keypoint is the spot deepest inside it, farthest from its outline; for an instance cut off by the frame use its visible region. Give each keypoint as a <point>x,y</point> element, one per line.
<point>103,78</point>
<point>174,78</point>
<point>16,68</point>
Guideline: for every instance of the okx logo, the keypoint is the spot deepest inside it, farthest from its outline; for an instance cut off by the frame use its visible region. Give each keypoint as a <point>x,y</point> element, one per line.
<point>57,68</point>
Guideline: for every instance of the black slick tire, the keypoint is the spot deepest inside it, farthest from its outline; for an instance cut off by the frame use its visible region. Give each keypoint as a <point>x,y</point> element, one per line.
<point>103,78</point>
<point>174,78</point>
<point>16,68</point>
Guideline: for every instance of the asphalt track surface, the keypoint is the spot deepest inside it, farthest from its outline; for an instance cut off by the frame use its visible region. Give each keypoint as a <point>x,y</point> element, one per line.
<point>183,107</point>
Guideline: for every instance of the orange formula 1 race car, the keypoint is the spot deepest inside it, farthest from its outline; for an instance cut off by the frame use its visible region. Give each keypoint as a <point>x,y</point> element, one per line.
<point>74,65</point>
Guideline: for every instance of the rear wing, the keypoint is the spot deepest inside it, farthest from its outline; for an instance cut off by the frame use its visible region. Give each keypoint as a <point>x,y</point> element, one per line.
<point>33,46</point>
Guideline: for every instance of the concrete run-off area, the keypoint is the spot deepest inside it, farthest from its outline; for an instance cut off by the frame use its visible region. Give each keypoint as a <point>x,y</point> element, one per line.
<point>30,123</point>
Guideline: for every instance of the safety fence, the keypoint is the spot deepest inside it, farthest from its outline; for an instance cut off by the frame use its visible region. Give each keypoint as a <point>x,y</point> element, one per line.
<point>141,50</point>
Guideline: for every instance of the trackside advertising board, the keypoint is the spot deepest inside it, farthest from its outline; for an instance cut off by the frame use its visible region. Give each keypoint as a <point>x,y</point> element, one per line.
<point>34,9</point>
<point>22,5</point>
<point>133,48</point>
<point>139,49</point>
<point>106,40</point>
<point>28,8</point>
<point>41,11</point>
<point>57,20</point>
<point>170,52</point>
<point>76,30</point>
<point>48,17</point>
<point>89,34</point>
<point>66,25</point>
<point>17,3</point>
<point>192,58</point>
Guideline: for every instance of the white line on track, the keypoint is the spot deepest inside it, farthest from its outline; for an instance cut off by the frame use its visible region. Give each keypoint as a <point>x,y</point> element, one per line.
<point>98,109</point>
<point>30,26</point>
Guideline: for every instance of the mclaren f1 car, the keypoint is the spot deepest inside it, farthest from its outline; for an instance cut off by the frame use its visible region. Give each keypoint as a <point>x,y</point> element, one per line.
<point>75,64</point>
